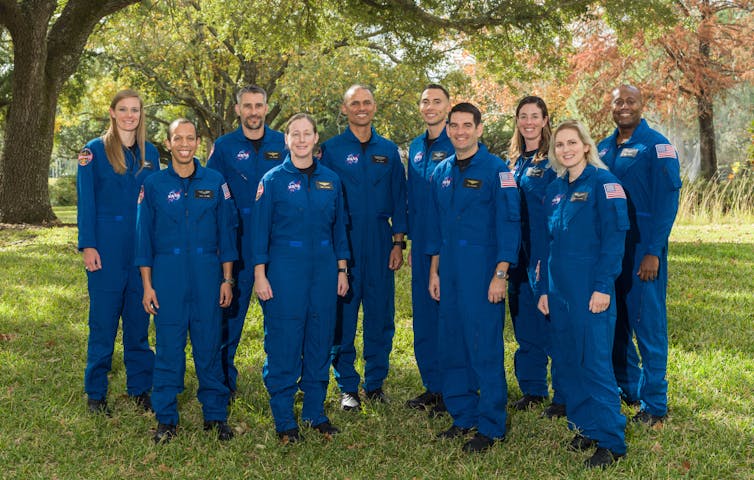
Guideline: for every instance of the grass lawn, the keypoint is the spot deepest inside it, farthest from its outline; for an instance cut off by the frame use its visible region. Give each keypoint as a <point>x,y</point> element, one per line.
<point>47,433</point>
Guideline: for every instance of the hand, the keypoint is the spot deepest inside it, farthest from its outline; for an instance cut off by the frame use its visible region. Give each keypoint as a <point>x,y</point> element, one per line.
<point>342,284</point>
<point>434,286</point>
<point>410,254</point>
<point>226,294</point>
<point>396,258</point>
<point>497,290</point>
<point>648,268</point>
<point>149,301</point>
<point>544,305</point>
<point>262,288</point>
<point>599,302</point>
<point>92,262</point>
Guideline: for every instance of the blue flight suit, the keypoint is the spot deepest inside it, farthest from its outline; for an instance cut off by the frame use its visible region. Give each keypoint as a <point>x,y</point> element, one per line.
<point>647,166</point>
<point>374,184</point>
<point>300,234</point>
<point>423,157</point>
<point>106,220</point>
<point>474,224</point>
<point>587,222</point>
<point>530,326</point>
<point>242,166</point>
<point>186,228</point>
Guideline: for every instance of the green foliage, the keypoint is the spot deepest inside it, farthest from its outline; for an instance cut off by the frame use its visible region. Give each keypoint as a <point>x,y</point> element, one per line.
<point>63,191</point>
<point>718,200</point>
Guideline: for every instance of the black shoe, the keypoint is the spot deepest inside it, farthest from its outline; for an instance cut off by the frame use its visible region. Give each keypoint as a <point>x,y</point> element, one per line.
<point>528,401</point>
<point>326,428</point>
<point>165,432</point>
<point>580,443</point>
<point>425,400</point>
<point>144,401</point>
<point>602,458</point>
<point>350,401</point>
<point>454,432</point>
<point>377,395</point>
<point>438,410</point>
<point>648,419</point>
<point>478,443</point>
<point>554,410</point>
<point>98,407</point>
<point>224,432</point>
<point>289,436</point>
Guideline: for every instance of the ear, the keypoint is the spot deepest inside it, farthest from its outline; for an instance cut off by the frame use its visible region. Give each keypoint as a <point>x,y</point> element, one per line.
<point>167,143</point>
<point>343,109</point>
<point>238,110</point>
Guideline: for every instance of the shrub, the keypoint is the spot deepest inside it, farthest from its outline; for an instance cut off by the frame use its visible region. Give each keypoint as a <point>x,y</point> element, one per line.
<point>63,191</point>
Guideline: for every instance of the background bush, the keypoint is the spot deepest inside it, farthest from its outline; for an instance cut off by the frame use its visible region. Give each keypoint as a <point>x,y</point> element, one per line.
<point>63,191</point>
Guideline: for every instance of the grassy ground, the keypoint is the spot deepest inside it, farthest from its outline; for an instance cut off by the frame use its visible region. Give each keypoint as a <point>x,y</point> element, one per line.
<point>47,433</point>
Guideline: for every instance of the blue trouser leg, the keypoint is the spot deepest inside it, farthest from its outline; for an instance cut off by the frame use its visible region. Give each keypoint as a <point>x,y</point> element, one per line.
<point>378,298</point>
<point>425,322</point>
<point>531,330</point>
<point>344,351</point>
<point>104,313</point>
<point>625,358</point>
<point>233,321</point>
<point>138,357</point>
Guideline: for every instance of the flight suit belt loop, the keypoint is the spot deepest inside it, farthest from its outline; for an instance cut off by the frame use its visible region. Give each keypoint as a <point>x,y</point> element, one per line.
<point>299,243</point>
<point>115,218</point>
<point>189,251</point>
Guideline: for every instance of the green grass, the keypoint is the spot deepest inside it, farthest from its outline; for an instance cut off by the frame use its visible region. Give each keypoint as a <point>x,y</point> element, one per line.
<point>47,433</point>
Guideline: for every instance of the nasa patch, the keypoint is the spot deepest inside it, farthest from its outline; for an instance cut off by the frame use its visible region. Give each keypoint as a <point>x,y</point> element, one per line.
<point>556,199</point>
<point>174,195</point>
<point>446,182</point>
<point>294,186</point>
<point>85,157</point>
<point>352,159</point>
<point>418,157</point>
<point>242,155</point>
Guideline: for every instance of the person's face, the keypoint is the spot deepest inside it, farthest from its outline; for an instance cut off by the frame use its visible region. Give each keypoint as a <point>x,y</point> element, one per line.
<point>530,122</point>
<point>434,107</point>
<point>569,149</point>
<point>252,109</point>
<point>462,131</point>
<point>301,138</point>
<point>360,108</point>
<point>127,113</point>
<point>627,106</point>
<point>183,143</point>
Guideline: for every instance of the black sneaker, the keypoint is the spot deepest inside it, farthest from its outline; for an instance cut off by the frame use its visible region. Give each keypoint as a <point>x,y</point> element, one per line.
<point>165,433</point>
<point>289,436</point>
<point>424,401</point>
<point>438,410</point>
<point>98,407</point>
<point>144,401</point>
<point>554,410</point>
<point>602,458</point>
<point>224,432</point>
<point>648,419</point>
<point>377,395</point>
<point>478,443</point>
<point>350,401</point>
<point>454,432</point>
<point>326,428</point>
<point>580,443</point>
<point>528,401</point>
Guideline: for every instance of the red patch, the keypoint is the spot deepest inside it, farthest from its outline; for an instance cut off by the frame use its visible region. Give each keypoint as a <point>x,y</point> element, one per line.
<point>260,190</point>
<point>85,157</point>
<point>141,194</point>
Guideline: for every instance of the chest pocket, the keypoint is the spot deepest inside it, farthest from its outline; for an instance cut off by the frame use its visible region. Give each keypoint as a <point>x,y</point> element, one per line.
<point>323,198</point>
<point>202,204</point>
<point>625,159</point>
<point>379,168</point>
<point>578,207</point>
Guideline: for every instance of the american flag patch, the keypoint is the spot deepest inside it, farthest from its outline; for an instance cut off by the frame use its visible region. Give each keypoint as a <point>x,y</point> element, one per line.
<point>507,180</point>
<point>226,191</point>
<point>665,150</point>
<point>614,190</point>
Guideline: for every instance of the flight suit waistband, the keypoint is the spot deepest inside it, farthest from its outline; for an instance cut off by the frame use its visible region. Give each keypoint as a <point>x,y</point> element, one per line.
<point>298,243</point>
<point>188,251</point>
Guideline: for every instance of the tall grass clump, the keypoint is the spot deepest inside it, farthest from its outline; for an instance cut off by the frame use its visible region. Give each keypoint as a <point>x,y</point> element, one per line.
<point>719,200</point>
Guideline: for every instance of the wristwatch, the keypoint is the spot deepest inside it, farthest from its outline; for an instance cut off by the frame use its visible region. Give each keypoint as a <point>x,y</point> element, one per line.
<point>501,274</point>
<point>231,281</point>
<point>343,270</point>
<point>400,243</point>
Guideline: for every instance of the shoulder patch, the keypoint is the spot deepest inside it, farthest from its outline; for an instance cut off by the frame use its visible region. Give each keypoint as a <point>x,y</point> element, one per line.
<point>226,191</point>
<point>614,190</point>
<point>85,157</point>
<point>141,194</point>
<point>665,150</point>
<point>260,190</point>
<point>507,180</point>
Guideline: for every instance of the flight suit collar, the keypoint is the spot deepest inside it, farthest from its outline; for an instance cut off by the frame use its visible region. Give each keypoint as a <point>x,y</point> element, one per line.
<point>588,172</point>
<point>240,135</point>
<point>351,137</point>
<point>641,129</point>
<point>289,167</point>
<point>476,158</point>
<point>198,170</point>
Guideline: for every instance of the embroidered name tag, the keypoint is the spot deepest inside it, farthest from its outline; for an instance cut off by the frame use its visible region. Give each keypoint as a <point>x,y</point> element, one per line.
<point>204,194</point>
<point>535,172</point>
<point>629,152</point>
<point>437,156</point>
<point>272,155</point>
<point>379,159</point>
<point>323,185</point>
<point>579,196</point>
<point>472,183</point>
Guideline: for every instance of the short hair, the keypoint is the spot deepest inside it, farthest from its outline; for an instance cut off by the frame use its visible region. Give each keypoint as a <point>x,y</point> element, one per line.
<point>591,156</point>
<point>180,121</point>
<point>437,86</point>
<point>299,116</point>
<point>353,88</point>
<point>518,144</point>
<point>250,89</point>
<point>466,107</point>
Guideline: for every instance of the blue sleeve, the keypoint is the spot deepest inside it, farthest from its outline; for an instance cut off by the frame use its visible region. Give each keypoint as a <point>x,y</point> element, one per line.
<point>666,186</point>
<point>539,237</point>
<point>262,221</point>
<point>144,254</point>
<point>227,223</point>
<point>215,161</point>
<point>86,212</point>
<point>507,216</point>
<point>400,214</point>
<point>340,239</point>
<point>432,221</point>
<point>613,218</point>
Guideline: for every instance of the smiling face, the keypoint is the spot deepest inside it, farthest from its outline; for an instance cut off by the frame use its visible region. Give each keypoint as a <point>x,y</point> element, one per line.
<point>530,122</point>
<point>627,106</point>
<point>359,107</point>
<point>434,107</point>
<point>301,139</point>
<point>252,109</point>
<point>127,113</point>
<point>570,150</point>
<point>464,133</point>
<point>183,143</point>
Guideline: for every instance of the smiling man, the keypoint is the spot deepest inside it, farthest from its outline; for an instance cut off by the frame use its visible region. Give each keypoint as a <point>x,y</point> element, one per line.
<point>647,166</point>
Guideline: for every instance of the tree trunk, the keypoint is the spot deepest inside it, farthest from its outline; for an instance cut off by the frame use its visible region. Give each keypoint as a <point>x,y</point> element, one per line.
<point>707,151</point>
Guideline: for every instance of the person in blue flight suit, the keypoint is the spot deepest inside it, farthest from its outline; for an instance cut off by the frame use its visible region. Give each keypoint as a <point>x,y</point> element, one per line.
<point>301,249</point>
<point>425,153</point>
<point>374,184</point>
<point>647,165</point>
<point>527,159</point>
<point>111,171</point>
<point>473,238</point>
<point>185,249</point>
<point>242,157</point>
<point>587,222</point>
